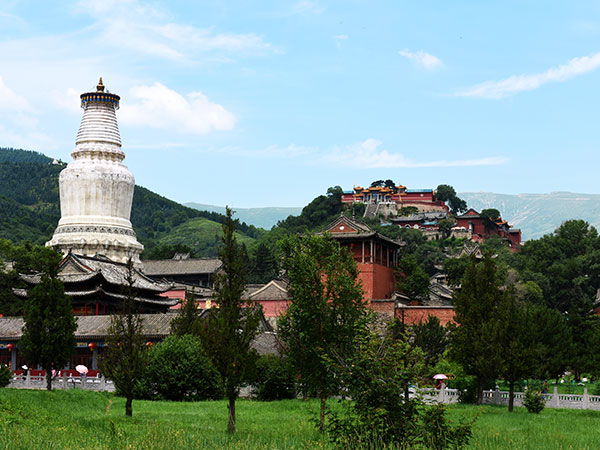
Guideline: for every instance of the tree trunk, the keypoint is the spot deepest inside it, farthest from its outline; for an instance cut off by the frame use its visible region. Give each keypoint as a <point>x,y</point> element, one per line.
<point>479,390</point>
<point>322,414</point>
<point>511,395</point>
<point>128,407</point>
<point>49,380</point>
<point>231,408</point>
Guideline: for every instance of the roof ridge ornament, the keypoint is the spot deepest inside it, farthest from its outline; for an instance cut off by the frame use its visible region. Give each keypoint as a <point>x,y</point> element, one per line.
<point>100,87</point>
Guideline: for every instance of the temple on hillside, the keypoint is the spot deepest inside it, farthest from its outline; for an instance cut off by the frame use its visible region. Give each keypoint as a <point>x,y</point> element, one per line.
<point>96,188</point>
<point>376,256</point>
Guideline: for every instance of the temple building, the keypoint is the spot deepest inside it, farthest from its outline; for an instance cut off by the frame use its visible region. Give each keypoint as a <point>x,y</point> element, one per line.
<point>94,232</point>
<point>96,188</point>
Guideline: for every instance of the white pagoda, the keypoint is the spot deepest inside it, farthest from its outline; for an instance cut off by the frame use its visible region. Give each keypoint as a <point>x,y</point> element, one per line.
<point>96,188</point>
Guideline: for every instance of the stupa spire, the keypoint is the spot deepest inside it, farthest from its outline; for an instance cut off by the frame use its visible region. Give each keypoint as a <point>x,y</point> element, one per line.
<point>96,188</point>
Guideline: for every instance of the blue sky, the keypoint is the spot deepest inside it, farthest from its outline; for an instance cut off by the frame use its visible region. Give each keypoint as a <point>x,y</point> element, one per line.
<point>268,103</point>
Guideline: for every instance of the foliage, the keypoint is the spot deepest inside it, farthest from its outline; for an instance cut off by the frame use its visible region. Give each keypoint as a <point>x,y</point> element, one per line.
<point>445,227</point>
<point>49,332</point>
<point>16,155</point>
<point>124,357</point>
<point>5,375</point>
<point>455,268</point>
<point>229,329</point>
<point>411,279</point>
<point>408,211</point>
<point>187,320</point>
<point>446,193</point>
<point>264,266</point>
<point>326,311</point>
<point>380,369</point>
<point>475,342</point>
<point>432,338</point>
<point>167,251</point>
<point>322,210</point>
<point>490,213</point>
<point>178,369</point>
<point>274,379</point>
<point>534,401</point>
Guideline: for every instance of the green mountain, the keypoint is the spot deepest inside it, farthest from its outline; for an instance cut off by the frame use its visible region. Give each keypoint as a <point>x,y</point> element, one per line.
<point>538,214</point>
<point>29,209</point>
<point>259,217</point>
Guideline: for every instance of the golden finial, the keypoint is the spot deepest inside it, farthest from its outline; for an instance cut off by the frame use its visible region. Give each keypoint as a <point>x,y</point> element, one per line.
<point>100,86</point>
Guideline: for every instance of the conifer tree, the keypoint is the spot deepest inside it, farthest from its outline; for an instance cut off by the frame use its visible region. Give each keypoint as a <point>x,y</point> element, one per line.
<point>187,321</point>
<point>49,333</point>
<point>476,343</point>
<point>231,326</point>
<point>124,355</point>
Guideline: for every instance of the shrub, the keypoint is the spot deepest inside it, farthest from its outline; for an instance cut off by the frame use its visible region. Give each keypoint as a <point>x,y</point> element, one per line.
<point>5,376</point>
<point>274,379</point>
<point>534,401</point>
<point>178,369</point>
<point>379,416</point>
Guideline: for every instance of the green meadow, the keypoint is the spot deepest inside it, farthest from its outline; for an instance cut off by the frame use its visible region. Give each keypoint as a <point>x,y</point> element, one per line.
<point>80,420</point>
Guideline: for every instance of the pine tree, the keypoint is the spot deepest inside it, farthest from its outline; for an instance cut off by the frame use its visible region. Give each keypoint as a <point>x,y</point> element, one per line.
<point>123,360</point>
<point>265,265</point>
<point>231,326</point>
<point>49,333</point>
<point>187,321</point>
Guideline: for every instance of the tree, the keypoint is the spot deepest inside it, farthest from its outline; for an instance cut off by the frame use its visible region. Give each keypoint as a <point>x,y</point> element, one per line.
<point>264,268</point>
<point>475,342</point>
<point>326,311</point>
<point>49,332</point>
<point>521,350</point>
<point>187,320</point>
<point>378,183</point>
<point>229,328</point>
<point>490,213</point>
<point>445,227</point>
<point>431,337</point>
<point>446,193</point>
<point>378,417</point>
<point>123,360</point>
<point>411,279</point>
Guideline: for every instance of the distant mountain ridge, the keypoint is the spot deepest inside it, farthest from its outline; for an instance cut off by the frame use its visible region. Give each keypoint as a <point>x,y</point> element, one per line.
<point>538,214</point>
<point>259,217</point>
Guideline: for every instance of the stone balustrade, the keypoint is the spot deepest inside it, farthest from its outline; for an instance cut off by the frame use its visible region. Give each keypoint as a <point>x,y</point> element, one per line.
<point>65,381</point>
<point>554,400</point>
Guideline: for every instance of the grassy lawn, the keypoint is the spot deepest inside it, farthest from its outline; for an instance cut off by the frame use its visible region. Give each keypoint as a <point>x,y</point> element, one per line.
<point>88,420</point>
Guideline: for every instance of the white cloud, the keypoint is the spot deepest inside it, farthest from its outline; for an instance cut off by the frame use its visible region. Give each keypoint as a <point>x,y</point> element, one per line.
<point>421,58</point>
<point>518,83</point>
<point>11,101</point>
<point>339,38</point>
<point>160,107</point>
<point>68,100</point>
<point>368,155</point>
<point>148,30</point>
<point>307,7</point>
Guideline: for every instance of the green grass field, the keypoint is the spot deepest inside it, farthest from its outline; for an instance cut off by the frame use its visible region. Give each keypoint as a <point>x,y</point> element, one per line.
<point>89,420</point>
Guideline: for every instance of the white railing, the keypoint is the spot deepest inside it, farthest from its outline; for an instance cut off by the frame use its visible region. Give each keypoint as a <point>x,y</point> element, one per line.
<point>28,381</point>
<point>554,400</point>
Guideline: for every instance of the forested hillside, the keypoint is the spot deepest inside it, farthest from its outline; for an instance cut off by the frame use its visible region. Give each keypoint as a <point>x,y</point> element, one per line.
<point>29,208</point>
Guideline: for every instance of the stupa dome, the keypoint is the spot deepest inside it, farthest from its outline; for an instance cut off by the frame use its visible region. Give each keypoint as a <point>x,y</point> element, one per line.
<point>96,188</point>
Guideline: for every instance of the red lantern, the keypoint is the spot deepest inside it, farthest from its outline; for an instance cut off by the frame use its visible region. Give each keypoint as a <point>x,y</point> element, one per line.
<point>149,344</point>
<point>10,347</point>
<point>92,346</point>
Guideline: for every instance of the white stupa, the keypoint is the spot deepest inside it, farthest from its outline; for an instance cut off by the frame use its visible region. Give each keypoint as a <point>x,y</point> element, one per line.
<point>96,188</point>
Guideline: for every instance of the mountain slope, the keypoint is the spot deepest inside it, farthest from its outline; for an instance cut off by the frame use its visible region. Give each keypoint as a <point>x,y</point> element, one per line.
<point>259,217</point>
<point>29,207</point>
<point>538,214</point>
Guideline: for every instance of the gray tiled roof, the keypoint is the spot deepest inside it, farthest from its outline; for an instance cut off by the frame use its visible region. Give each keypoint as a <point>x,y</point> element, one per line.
<point>163,267</point>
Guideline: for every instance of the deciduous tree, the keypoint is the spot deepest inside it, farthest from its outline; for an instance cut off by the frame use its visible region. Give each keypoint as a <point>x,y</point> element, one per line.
<point>326,311</point>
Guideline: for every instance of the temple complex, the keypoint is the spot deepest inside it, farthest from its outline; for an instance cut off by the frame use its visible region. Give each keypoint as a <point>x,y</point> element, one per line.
<point>96,188</point>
